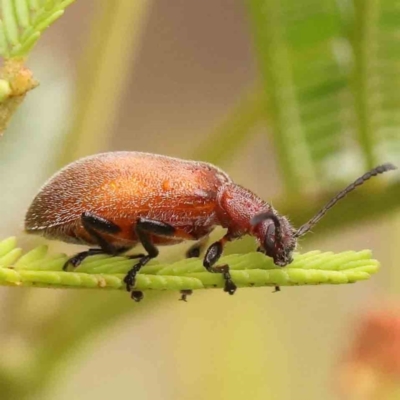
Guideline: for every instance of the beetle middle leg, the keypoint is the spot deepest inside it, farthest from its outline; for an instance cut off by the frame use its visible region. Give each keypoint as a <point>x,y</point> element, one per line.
<point>212,256</point>
<point>95,226</point>
<point>144,228</point>
<point>194,251</point>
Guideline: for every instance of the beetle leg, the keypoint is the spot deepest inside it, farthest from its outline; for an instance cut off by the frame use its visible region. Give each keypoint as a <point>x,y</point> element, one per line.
<point>78,258</point>
<point>213,254</point>
<point>95,225</point>
<point>155,227</point>
<point>194,251</point>
<point>276,287</point>
<point>137,295</point>
<point>184,294</point>
<point>144,227</point>
<point>94,222</point>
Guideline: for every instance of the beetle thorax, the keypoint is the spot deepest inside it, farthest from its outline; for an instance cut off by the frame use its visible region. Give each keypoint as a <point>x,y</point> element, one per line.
<point>236,207</point>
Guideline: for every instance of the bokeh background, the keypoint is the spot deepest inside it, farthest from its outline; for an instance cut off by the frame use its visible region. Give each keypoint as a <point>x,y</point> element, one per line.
<point>294,99</point>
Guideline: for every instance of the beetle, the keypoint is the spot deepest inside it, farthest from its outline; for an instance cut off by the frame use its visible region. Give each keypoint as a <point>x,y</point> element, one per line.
<point>115,200</point>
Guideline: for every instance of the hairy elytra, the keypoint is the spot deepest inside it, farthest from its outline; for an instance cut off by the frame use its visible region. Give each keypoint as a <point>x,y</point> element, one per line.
<point>115,200</point>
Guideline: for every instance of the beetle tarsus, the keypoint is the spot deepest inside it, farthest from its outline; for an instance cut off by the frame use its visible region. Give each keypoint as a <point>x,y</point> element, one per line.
<point>229,287</point>
<point>212,256</point>
<point>137,295</point>
<point>185,294</point>
<point>77,259</point>
<point>194,251</point>
<point>144,226</point>
<point>130,278</point>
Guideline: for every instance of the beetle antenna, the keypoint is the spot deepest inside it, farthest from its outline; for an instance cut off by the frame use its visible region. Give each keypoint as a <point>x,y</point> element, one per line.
<point>268,215</point>
<point>314,220</point>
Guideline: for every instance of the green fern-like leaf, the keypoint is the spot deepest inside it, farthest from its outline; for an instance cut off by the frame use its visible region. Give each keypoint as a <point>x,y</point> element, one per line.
<point>23,21</point>
<point>37,268</point>
<point>330,78</point>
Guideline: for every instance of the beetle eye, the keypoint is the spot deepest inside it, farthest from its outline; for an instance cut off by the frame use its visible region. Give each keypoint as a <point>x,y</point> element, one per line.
<point>269,242</point>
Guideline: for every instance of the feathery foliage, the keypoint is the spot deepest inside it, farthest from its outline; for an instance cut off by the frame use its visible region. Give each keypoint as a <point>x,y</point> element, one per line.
<point>328,71</point>
<point>254,269</point>
<point>23,21</point>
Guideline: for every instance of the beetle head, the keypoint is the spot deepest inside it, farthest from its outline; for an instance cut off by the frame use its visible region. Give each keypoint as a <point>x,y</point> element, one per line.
<point>276,237</point>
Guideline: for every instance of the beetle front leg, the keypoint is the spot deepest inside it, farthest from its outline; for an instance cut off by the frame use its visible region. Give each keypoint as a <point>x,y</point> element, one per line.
<point>212,256</point>
<point>144,227</point>
<point>276,287</point>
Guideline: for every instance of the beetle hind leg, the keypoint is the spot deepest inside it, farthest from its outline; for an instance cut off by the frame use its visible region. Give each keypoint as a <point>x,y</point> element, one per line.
<point>95,226</point>
<point>77,259</point>
<point>144,228</point>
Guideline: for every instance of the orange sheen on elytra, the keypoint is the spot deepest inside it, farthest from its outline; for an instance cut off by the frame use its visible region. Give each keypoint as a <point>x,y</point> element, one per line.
<point>123,186</point>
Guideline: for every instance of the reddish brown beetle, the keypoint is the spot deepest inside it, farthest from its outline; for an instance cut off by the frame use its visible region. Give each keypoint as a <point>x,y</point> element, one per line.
<point>115,200</point>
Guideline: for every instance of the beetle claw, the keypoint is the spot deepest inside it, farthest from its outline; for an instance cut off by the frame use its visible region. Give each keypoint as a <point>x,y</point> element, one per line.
<point>230,287</point>
<point>185,294</point>
<point>137,296</point>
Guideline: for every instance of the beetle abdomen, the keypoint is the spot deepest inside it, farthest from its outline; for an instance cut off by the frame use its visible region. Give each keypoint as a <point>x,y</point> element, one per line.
<point>124,186</point>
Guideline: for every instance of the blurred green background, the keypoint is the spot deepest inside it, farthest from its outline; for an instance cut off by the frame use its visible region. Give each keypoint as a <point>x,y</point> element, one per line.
<point>294,99</point>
